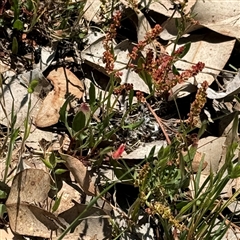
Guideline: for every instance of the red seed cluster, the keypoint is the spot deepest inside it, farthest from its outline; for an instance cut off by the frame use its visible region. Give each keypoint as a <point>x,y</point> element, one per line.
<point>197,105</point>
<point>150,36</point>
<point>108,56</point>
<point>123,87</point>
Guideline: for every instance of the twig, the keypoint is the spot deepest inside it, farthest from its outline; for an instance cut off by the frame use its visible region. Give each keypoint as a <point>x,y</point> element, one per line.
<point>159,121</point>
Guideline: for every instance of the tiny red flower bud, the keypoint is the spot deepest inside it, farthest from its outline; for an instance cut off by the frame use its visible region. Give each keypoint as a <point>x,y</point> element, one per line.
<point>118,153</point>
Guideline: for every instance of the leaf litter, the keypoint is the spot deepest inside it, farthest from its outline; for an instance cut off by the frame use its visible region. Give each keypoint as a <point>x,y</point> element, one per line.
<point>213,46</point>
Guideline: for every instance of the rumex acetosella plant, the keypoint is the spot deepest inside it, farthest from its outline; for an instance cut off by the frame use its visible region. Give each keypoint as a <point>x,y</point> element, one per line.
<point>162,180</point>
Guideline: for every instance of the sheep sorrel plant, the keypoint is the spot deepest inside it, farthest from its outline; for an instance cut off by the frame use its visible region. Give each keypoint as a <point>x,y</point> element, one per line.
<point>123,165</point>
<point>163,181</point>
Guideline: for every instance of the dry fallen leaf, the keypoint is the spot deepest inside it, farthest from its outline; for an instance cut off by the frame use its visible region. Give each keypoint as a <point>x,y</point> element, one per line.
<point>92,56</point>
<point>81,174</point>
<point>91,9</point>
<point>196,162</point>
<point>164,7</point>
<point>142,151</point>
<point>232,88</point>
<point>93,225</point>
<point>15,91</point>
<point>63,81</point>
<point>219,16</point>
<point>212,49</point>
<point>208,146</point>
<point>30,187</point>
<point>30,220</point>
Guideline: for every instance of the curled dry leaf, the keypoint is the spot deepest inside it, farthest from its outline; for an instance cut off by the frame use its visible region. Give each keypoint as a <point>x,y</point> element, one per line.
<point>210,48</point>
<point>91,9</point>
<point>81,174</point>
<point>164,7</point>
<point>63,81</point>
<point>197,160</point>
<point>28,187</point>
<point>92,56</point>
<point>93,225</point>
<point>219,16</point>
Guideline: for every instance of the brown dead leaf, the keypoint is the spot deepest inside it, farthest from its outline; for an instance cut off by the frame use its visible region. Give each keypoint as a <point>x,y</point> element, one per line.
<point>30,187</point>
<point>68,193</point>
<point>63,81</point>
<point>210,48</point>
<point>81,174</point>
<point>30,220</point>
<point>93,225</point>
<point>196,162</point>
<point>219,16</point>
<point>91,9</point>
<point>143,26</point>
<point>164,7</point>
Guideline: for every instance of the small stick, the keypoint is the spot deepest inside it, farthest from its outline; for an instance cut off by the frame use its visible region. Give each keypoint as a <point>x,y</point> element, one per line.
<point>159,121</point>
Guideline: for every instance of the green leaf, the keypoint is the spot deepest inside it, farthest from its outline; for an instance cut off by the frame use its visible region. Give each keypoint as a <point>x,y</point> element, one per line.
<point>144,75</point>
<point>79,121</point>
<point>29,5</point>
<point>3,195</point>
<point>133,125</point>
<point>3,210</point>
<point>63,110</point>
<point>120,170</point>
<point>92,94</point>
<point>47,164</point>
<point>130,97</point>
<point>151,153</point>
<point>235,171</point>
<point>14,46</point>
<point>18,24</point>
<point>64,113</point>
<point>174,70</point>
<point>52,160</point>
<point>105,150</point>
<point>82,35</point>
<point>56,204</point>
<point>186,49</point>
<point>60,171</point>
<point>32,86</point>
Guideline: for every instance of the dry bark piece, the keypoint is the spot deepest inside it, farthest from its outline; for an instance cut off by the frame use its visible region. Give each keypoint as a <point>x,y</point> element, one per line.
<point>81,174</point>
<point>63,81</point>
